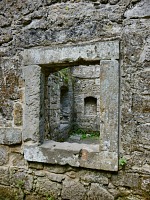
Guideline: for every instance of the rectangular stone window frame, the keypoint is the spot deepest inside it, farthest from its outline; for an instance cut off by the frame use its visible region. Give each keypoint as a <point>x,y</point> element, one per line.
<point>37,63</point>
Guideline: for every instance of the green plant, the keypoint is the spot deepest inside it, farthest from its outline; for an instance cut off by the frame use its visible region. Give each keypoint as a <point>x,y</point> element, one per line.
<point>64,74</point>
<point>67,8</point>
<point>50,197</point>
<point>122,162</point>
<point>20,183</point>
<point>84,133</point>
<point>84,136</point>
<point>90,135</point>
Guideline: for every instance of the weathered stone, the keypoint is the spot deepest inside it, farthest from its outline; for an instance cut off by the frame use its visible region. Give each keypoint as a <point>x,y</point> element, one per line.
<point>143,132</point>
<point>99,50</point>
<point>72,189</point>
<point>133,197</point>
<point>18,114</point>
<point>46,187</point>
<point>142,9</point>
<point>5,38</point>
<point>40,173</point>
<point>57,169</point>
<point>4,176</point>
<point>145,55</point>
<point>94,178</point>
<point>15,149</point>
<point>10,193</point>
<point>36,197</point>
<point>32,123</point>
<point>112,2</point>
<point>141,104</point>
<point>97,192</point>
<point>34,165</point>
<point>109,106</point>
<point>142,82</point>
<point>20,178</point>
<point>17,159</point>
<point>3,155</point>
<point>111,186</point>
<point>36,23</point>
<point>145,169</point>
<point>104,1</point>
<point>10,136</point>
<point>8,92</point>
<point>128,179</point>
<point>55,177</point>
<point>72,174</point>
<point>5,21</point>
<point>71,153</point>
<point>145,185</point>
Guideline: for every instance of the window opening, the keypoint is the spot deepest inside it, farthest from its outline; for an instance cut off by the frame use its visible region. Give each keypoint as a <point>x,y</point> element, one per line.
<point>38,63</point>
<point>72,116</point>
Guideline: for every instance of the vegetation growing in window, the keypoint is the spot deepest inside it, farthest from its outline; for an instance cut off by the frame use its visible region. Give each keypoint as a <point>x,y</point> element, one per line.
<point>85,133</point>
<point>64,74</point>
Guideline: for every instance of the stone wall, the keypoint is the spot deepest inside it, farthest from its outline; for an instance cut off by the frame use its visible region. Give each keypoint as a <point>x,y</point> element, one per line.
<point>59,104</point>
<point>86,89</point>
<point>26,24</point>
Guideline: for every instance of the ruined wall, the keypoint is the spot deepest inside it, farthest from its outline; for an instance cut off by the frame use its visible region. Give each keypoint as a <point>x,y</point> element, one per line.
<point>26,24</point>
<point>60,105</point>
<point>86,87</point>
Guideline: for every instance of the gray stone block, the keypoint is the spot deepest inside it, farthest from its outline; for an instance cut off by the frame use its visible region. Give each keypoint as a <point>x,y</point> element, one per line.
<point>4,176</point>
<point>109,105</point>
<point>98,192</point>
<point>73,189</point>
<point>33,112</point>
<point>74,154</point>
<point>10,136</point>
<point>142,9</point>
<point>3,155</point>
<point>99,50</point>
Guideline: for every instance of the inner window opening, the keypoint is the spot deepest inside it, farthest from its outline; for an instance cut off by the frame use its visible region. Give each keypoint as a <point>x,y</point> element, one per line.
<point>72,105</point>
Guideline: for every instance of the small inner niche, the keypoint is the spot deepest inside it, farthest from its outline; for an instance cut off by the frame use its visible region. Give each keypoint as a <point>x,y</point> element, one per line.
<point>90,106</point>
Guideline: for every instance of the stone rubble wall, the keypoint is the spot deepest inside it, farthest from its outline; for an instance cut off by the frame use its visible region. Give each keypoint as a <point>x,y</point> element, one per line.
<point>26,24</point>
<point>60,106</point>
<point>86,83</point>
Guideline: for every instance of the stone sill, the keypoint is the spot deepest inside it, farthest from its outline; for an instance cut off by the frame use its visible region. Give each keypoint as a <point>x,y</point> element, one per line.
<point>74,154</point>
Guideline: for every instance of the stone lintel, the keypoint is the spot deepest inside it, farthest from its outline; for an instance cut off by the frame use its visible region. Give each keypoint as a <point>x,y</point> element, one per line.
<point>74,154</point>
<point>67,54</point>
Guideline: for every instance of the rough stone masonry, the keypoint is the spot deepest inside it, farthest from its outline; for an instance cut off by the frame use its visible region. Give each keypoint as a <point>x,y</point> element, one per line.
<point>50,24</point>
